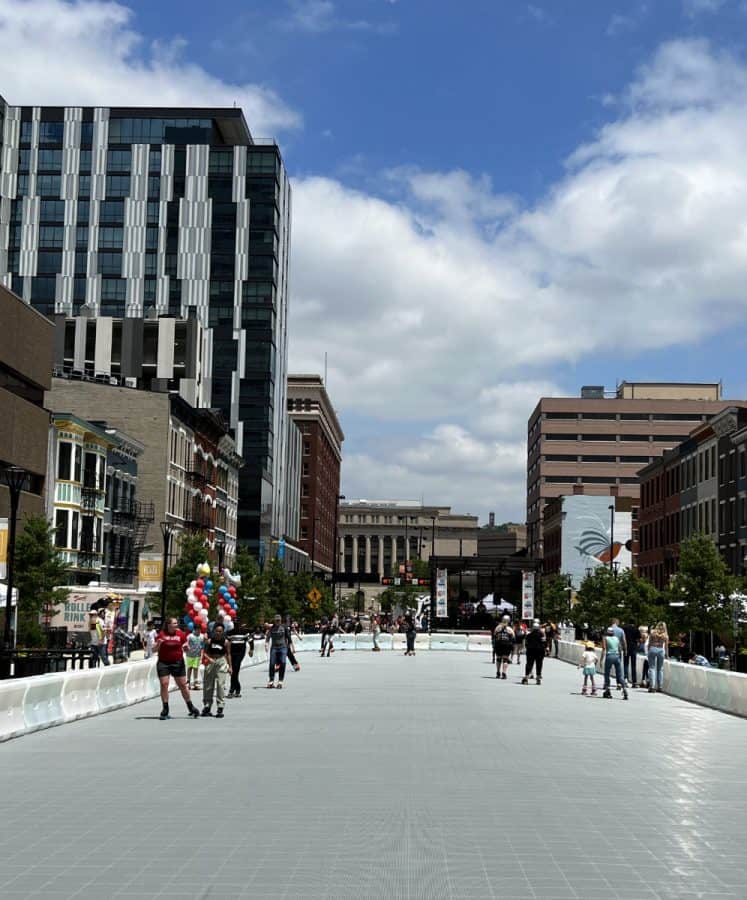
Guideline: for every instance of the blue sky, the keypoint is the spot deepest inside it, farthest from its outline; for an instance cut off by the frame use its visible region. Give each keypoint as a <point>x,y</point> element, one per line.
<point>493,200</point>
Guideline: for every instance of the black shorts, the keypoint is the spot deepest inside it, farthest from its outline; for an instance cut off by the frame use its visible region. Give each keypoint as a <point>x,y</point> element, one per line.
<point>176,669</point>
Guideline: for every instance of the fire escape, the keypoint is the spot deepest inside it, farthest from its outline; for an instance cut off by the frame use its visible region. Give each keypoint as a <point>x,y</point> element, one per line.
<point>135,517</point>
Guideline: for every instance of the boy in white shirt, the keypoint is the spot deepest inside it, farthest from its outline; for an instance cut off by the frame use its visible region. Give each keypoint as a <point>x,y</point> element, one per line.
<point>589,662</point>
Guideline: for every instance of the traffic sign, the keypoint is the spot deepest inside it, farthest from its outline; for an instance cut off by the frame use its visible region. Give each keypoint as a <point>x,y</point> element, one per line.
<point>314,596</point>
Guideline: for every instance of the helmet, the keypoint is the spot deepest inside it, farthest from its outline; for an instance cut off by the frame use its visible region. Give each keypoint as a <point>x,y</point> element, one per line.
<point>506,619</point>
<point>610,630</point>
<point>590,645</point>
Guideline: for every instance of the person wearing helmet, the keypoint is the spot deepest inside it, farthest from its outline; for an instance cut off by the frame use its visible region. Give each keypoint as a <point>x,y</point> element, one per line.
<point>612,651</point>
<point>503,642</point>
<point>535,644</point>
<point>589,662</point>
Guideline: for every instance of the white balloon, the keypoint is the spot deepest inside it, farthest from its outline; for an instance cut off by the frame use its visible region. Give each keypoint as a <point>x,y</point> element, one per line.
<point>193,584</point>
<point>204,615</point>
<point>197,605</point>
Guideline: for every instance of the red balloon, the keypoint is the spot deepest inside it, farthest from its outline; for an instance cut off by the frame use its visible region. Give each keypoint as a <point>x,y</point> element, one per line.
<point>203,627</point>
<point>232,613</point>
<point>199,584</point>
<point>232,591</point>
<point>198,594</point>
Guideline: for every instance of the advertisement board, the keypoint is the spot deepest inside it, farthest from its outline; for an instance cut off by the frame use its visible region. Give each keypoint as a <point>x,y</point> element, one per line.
<point>150,572</point>
<point>588,537</point>
<point>3,548</point>
<point>527,595</point>
<point>442,594</point>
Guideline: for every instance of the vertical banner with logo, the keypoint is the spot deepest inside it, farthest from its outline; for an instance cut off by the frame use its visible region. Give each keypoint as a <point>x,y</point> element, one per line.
<point>150,572</point>
<point>442,594</point>
<point>527,595</point>
<point>3,548</point>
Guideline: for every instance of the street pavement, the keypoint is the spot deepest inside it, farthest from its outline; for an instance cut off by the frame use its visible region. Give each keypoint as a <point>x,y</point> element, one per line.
<point>380,776</point>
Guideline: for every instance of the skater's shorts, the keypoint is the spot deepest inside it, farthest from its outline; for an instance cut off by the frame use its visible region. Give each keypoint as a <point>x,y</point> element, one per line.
<point>176,670</point>
<point>590,670</point>
<point>193,662</point>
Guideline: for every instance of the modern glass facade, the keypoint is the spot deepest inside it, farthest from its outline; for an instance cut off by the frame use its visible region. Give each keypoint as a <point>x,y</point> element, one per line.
<point>163,212</point>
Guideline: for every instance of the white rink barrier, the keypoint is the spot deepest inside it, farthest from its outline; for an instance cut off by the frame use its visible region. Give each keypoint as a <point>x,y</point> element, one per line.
<point>42,705</point>
<point>718,688</point>
<point>80,693</point>
<point>12,719</point>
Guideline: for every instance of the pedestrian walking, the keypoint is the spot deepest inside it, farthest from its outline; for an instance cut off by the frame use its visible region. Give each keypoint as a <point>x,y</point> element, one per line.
<point>193,656</point>
<point>519,636</point>
<point>325,633</point>
<point>612,651</point>
<point>293,633</point>
<point>642,651</point>
<point>630,661</point>
<point>149,642</point>
<point>376,631</point>
<point>503,643</point>
<point>170,645</point>
<point>410,632</point>
<point>97,640</point>
<point>332,629</point>
<point>217,663</point>
<point>535,648</point>
<point>619,633</point>
<point>277,640</point>
<point>658,644</point>
<point>589,660</point>
<point>240,643</point>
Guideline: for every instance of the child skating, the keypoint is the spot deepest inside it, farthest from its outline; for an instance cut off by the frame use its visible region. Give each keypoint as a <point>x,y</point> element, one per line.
<point>589,662</point>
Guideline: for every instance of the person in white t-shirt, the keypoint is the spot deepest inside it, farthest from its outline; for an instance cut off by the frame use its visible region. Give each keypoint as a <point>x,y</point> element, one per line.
<point>589,661</point>
<point>150,640</point>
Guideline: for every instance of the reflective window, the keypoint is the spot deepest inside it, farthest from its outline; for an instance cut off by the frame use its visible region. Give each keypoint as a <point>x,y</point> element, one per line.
<point>49,261</point>
<point>118,161</point>
<point>24,156</point>
<point>52,211</point>
<point>48,185</point>
<point>111,238</point>
<point>83,210</point>
<point>84,186</point>
<point>110,263</point>
<point>111,212</point>
<point>221,162</point>
<point>51,132</point>
<point>26,132</point>
<point>113,289</point>
<point>85,161</point>
<point>50,159</point>
<point>86,132</point>
<point>117,185</point>
<point>51,237</point>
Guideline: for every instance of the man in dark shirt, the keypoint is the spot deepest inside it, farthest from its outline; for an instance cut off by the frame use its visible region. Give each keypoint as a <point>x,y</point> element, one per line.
<point>632,636</point>
<point>217,663</point>
<point>277,641</point>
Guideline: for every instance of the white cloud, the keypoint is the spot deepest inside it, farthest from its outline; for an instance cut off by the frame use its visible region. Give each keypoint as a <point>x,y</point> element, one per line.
<point>56,52</point>
<point>320,16</point>
<point>693,8</point>
<point>642,245</point>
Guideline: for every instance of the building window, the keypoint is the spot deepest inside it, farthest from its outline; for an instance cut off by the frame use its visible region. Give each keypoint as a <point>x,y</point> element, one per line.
<point>64,456</point>
<point>306,448</point>
<point>60,528</point>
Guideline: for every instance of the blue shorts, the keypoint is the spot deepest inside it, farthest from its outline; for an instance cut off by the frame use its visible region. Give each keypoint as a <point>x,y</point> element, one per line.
<point>590,670</point>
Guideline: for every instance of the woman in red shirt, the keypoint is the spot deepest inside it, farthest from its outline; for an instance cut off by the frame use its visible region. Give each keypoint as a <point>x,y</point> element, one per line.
<point>170,648</point>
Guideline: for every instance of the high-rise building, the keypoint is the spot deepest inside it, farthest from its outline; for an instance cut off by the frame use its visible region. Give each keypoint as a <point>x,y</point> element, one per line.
<point>598,442</point>
<point>132,213</point>
<point>311,410</point>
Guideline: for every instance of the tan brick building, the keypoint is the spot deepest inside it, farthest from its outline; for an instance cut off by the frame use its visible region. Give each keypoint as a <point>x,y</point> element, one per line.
<point>598,442</point>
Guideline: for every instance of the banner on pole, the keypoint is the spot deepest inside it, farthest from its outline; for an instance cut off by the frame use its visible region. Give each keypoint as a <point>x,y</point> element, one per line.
<point>527,595</point>
<point>442,594</point>
<point>3,548</point>
<point>150,572</point>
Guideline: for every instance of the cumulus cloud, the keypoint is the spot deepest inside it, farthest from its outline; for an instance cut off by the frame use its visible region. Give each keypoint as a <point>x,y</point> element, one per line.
<point>320,16</point>
<point>640,246</point>
<point>88,53</point>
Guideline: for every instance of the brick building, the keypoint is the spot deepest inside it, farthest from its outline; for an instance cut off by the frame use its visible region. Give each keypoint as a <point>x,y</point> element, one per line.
<point>311,410</point>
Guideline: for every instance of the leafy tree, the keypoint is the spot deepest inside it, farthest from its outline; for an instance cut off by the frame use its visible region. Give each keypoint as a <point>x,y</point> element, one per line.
<point>604,596</point>
<point>704,584</point>
<point>556,597</point>
<point>281,596</point>
<point>39,570</point>
<point>254,604</point>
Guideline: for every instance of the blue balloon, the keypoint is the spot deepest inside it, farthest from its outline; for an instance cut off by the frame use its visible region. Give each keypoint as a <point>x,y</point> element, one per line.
<point>209,585</point>
<point>223,590</point>
<point>191,625</point>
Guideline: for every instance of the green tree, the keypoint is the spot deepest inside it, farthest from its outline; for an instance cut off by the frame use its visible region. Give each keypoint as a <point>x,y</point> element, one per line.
<point>604,596</point>
<point>281,596</point>
<point>704,584</point>
<point>556,597</point>
<point>254,605</point>
<point>39,571</point>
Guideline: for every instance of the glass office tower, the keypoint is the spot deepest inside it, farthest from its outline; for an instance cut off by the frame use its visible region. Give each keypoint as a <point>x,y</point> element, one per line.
<point>138,213</point>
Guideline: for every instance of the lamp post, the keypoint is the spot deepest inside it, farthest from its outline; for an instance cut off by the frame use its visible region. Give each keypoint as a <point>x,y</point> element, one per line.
<point>15,480</point>
<point>335,552</point>
<point>612,535</point>
<point>220,549</point>
<point>313,545</point>
<point>168,531</point>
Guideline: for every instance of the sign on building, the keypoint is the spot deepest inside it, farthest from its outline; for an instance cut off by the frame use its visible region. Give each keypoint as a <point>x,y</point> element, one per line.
<point>3,548</point>
<point>589,538</point>
<point>150,572</point>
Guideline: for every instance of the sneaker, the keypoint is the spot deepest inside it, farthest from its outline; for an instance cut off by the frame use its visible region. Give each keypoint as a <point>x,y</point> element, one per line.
<point>625,695</point>
<point>504,676</point>
<point>237,696</point>
<point>583,690</point>
<point>219,713</point>
<point>280,684</point>
<point>231,695</point>
<point>206,713</point>
<point>607,694</point>
<point>594,692</point>
<point>497,674</point>
<point>539,681</point>
<point>270,684</point>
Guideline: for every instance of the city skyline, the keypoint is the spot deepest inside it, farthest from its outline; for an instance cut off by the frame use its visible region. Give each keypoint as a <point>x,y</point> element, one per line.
<point>502,241</point>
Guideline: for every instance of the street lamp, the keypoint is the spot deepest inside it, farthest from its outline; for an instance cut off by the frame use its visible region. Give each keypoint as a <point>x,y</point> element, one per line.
<point>15,480</point>
<point>313,545</point>
<point>220,549</point>
<point>167,530</point>
<point>611,508</point>
<point>335,552</point>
